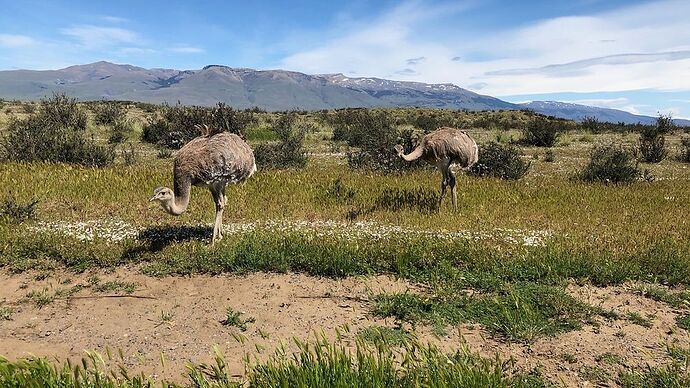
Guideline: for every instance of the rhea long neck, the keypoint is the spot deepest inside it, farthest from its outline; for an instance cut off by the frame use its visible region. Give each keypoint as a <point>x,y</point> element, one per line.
<point>414,155</point>
<point>180,200</point>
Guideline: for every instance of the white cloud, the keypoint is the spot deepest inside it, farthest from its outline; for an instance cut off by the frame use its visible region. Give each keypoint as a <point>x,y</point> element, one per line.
<point>114,19</point>
<point>98,36</point>
<point>187,50</point>
<point>635,47</point>
<point>10,40</point>
<point>620,103</point>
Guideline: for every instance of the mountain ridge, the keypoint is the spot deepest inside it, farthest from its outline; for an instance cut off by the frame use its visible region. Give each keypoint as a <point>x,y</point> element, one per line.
<point>268,89</point>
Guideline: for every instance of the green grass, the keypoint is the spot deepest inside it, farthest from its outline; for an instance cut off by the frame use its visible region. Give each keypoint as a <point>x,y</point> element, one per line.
<point>317,364</point>
<point>518,312</point>
<point>638,319</point>
<point>677,299</point>
<point>683,321</point>
<point>115,286</point>
<point>41,298</point>
<point>609,358</point>
<point>234,318</point>
<point>395,336</point>
<point>6,313</point>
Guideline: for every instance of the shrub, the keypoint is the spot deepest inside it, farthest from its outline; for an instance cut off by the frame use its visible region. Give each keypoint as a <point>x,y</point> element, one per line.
<point>119,131</point>
<point>684,155</point>
<point>288,151</point>
<point>175,126</point>
<point>652,140</point>
<point>610,163</point>
<point>549,156</point>
<point>500,161</point>
<point>374,135</point>
<point>106,113</point>
<point>591,124</point>
<point>15,211</point>
<point>541,132</point>
<point>54,133</point>
<point>62,111</point>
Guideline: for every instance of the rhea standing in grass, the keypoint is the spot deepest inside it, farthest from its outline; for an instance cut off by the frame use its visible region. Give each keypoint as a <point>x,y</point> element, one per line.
<point>442,148</point>
<point>211,160</point>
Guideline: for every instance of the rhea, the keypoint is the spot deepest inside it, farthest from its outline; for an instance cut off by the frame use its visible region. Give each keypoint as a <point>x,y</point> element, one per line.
<point>213,160</point>
<point>442,148</point>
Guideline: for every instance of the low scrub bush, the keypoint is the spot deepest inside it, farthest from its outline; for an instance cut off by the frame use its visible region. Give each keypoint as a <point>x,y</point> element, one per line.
<point>14,211</point>
<point>684,155</point>
<point>107,113</point>
<point>120,131</point>
<point>610,163</point>
<point>652,140</point>
<point>54,133</point>
<point>541,132</point>
<point>288,151</point>
<point>500,161</point>
<point>174,126</point>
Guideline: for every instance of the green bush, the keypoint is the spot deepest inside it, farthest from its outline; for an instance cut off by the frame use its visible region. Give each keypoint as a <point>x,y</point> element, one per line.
<point>175,126</point>
<point>14,211</point>
<point>684,155</point>
<point>288,151</point>
<point>54,133</point>
<point>119,131</point>
<point>500,161</point>
<point>541,132</point>
<point>652,140</point>
<point>610,163</point>
<point>106,113</point>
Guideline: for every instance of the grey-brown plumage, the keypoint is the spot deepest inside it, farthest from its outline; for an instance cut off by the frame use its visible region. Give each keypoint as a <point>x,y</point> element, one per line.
<point>442,148</point>
<point>211,160</point>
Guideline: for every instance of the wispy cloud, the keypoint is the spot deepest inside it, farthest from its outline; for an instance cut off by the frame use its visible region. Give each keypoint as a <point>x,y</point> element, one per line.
<point>415,61</point>
<point>640,46</point>
<point>187,50</point>
<point>99,36</point>
<point>114,19</point>
<point>10,40</point>
<point>567,69</point>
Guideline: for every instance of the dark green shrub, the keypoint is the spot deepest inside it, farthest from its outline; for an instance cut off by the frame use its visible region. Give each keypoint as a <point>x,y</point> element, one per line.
<point>106,113</point>
<point>591,124</point>
<point>373,135</point>
<point>15,211</point>
<point>119,131</point>
<point>54,133</point>
<point>684,155</point>
<point>610,163</point>
<point>541,132</point>
<point>500,161</point>
<point>175,126</point>
<point>62,111</point>
<point>288,151</point>
<point>652,140</point>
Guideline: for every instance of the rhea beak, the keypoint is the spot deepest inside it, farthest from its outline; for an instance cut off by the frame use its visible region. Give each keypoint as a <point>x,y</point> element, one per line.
<point>155,197</point>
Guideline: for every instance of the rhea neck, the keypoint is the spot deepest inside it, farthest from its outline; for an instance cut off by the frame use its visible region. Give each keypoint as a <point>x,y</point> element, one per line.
<point>180,199</point>
<point>412,156</point>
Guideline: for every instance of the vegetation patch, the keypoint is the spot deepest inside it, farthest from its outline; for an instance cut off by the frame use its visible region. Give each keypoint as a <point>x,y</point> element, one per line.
<point>499,161</point>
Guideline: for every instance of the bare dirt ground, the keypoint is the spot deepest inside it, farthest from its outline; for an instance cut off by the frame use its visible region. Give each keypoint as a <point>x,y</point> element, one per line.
<point>180,318</point>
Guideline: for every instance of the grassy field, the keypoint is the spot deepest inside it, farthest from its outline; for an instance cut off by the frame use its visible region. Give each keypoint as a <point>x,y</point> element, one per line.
<point>505,261</point>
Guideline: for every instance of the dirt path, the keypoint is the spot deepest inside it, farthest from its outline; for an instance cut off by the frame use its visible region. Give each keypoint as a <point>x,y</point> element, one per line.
<point>180,317</point>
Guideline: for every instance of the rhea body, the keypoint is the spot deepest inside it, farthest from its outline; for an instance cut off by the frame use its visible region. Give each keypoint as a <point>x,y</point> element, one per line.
<point>442,148</point>
<point>212,160</point>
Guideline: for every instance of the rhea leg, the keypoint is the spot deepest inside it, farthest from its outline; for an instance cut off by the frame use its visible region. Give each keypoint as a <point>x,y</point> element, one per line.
<point>219,200</point>
<point>453,189</point>
<point>445,172</point>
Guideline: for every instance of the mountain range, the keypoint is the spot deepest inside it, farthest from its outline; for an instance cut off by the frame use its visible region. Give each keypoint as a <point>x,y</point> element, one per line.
<point>269,89</point>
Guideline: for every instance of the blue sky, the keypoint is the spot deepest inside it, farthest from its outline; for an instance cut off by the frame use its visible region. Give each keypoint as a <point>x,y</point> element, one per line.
<point>630,55</point>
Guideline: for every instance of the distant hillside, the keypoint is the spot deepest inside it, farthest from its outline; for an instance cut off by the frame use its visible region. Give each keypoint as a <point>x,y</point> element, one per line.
<point>579,112</point>
<point>238,87</point>
<point>268,89</point>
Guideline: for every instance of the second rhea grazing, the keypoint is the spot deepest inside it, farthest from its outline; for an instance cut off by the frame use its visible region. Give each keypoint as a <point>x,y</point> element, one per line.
<point>442,148</point>
<point>211,160</point>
